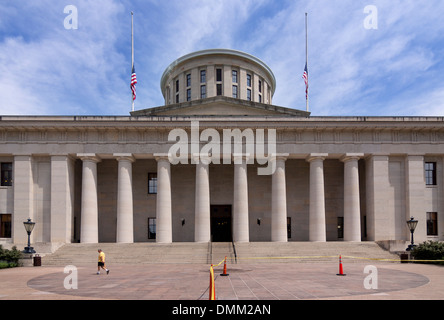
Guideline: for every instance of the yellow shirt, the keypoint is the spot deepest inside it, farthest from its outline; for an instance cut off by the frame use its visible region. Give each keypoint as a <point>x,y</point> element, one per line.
<point>102,256</point>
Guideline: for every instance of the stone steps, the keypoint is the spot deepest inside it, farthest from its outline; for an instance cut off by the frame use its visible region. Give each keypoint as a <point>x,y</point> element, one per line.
<point>311,252</point>
<point>205,253</point>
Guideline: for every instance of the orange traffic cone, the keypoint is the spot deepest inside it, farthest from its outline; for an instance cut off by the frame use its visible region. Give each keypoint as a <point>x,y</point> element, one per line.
<point>212,288</point>
<point>341,270</point>
<point>225,268</point>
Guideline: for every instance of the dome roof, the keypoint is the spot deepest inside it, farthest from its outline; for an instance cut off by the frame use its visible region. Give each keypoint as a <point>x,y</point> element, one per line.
<point>240,59</point>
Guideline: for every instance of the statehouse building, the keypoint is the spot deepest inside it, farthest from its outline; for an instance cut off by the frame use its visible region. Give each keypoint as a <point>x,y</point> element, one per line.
<point>96,179</point>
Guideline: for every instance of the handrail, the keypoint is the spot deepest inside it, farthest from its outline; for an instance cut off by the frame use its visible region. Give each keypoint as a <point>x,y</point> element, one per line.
<point>234,250</point>
<point>210,252</point>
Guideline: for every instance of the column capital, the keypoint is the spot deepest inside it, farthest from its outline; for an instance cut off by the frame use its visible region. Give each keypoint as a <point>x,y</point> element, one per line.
<point>162,157</point>
<point>378,157</point>
<point>351,156</point>
<point>22,157</point>
<point>418,157</point>
<point>124,157</point>
<point>61,157</point>
<point>280,156</point>
<point>89,157</point>
<point>316,156</point>
<point>239,158</point>
<point>273,157</point>
<point>199,159</point>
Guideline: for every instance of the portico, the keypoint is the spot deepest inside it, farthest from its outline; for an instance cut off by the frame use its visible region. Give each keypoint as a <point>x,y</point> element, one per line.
<point>275,220</point>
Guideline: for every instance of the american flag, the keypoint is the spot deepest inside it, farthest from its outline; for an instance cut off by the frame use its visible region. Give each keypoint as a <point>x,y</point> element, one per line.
<point>305,76</point>
<point>133,83</point>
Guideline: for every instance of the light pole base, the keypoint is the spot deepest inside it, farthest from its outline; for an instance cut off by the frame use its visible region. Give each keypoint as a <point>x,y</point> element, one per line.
<point>29,250</point>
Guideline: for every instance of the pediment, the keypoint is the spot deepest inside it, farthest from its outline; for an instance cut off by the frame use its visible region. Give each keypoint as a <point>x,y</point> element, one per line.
<point>220,106</point>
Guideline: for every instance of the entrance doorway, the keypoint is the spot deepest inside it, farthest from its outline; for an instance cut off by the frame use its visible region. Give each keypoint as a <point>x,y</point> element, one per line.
<point>221,223</point>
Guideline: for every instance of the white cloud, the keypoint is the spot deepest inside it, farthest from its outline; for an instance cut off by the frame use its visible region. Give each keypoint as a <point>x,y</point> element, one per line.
<point>60,71</point>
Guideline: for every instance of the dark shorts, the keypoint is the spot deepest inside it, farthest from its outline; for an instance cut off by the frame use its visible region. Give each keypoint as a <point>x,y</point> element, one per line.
<point>100,264</point>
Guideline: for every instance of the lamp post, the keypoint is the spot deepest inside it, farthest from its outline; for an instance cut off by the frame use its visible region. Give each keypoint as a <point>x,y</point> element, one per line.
<point>29,226</point>
<point>412,223</point>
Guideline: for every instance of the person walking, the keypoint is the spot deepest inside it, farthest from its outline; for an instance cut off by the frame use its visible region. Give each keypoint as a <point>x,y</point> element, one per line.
<point>101,263</point>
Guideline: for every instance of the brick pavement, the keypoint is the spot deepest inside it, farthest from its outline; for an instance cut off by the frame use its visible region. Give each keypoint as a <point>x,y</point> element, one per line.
<point>247,281</point>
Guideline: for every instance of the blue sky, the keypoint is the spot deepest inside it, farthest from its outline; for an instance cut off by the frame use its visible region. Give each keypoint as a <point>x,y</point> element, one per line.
<point>394,70</point>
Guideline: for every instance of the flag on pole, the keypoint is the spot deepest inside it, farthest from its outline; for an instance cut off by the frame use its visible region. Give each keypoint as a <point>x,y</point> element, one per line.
<point>133,83</point>
<point>305,77</point>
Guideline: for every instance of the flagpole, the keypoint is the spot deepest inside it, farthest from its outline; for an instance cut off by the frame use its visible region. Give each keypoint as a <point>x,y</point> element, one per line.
<point>132,56</point>
<point>306,52</point>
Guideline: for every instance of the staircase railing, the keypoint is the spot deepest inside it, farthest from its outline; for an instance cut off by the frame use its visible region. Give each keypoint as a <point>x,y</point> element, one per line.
<point>210,252</point>
<point>234,251</point>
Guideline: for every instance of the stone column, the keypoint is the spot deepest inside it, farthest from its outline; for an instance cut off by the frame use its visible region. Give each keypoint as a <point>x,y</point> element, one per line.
<point>89,220</point>
<point>317,228</point>
<point>378,191</point>
<point>414,196</point>
<point>352,211</point>
<point>164,232</point>
<point>240,200</point>
<point>279,202</point>
<point>62,198</point>
<point>202,221</point>
<point>125,228</point>
<point>23,197</point>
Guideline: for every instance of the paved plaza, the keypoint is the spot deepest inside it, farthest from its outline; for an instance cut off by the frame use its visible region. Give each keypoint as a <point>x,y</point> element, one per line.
<point>246,281</point>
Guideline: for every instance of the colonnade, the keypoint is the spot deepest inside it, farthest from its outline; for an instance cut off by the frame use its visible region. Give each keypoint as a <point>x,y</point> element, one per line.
<point>202,223</point>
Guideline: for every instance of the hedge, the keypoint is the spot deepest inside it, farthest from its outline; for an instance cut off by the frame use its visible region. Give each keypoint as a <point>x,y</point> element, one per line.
<point>429,250</point>
<point>9,258</point>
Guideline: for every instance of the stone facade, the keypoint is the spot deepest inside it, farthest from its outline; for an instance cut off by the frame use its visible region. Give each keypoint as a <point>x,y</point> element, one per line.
<point>86,179</point>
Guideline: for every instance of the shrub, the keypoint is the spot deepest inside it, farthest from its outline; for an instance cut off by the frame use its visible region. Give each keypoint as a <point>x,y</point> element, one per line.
<point>9,258</point>
<point>429,250</point>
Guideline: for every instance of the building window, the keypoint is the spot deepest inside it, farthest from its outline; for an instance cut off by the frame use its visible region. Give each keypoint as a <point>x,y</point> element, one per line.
<point>234,91</point>
<point>430,173</point>
<point>177,91</point>
<point>249,80</point>
<point>219,89</point>
<point>151,228</point>
<point>188,94</point>
<point>5,225</point>
<point>249,94</point>
<point>218,74</point>
<point>340,227</point>
<point>203,76</point>
<point>260,86</point>
<point>234,73</point>
<point>289,227</point>
<point>260,98</point>
<point>432,223</point>
<point>188,80</point>
<point>203,92</point>
<point>152,183</point>
<point>6,174</point>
